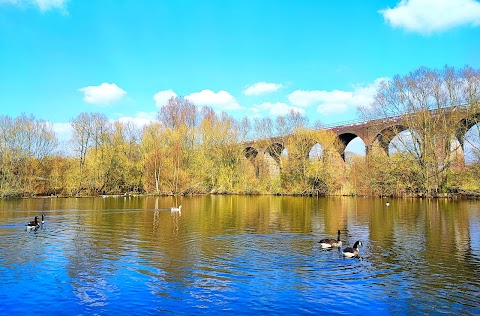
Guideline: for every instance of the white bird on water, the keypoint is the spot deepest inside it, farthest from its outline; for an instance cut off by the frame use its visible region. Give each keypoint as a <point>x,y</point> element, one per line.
<point>176,209</point>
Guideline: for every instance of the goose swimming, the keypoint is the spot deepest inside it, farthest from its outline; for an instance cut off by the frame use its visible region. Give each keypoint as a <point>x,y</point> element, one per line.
<point>352,252</point>
<point>330,242</point>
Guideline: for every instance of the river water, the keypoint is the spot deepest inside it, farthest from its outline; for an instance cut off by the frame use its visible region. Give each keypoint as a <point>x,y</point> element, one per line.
<point>239,255</point>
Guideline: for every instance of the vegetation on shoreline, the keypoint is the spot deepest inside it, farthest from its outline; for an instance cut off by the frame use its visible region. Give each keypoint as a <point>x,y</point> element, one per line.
<point>192,150</point>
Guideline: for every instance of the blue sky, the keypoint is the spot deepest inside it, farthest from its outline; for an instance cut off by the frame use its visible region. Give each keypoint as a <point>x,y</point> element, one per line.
<point>59,58</point>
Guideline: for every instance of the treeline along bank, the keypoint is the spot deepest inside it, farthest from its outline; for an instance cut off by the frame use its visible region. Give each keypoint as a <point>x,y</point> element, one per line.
<point>432,151</point>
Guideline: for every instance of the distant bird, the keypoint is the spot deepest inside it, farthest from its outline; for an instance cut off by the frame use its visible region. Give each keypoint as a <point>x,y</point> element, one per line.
<point>176,209</point>
<point>43,219</point>
<point>33,224</point>
<point>330,242</point>
<point>352,252</point>
<point>387,204</point>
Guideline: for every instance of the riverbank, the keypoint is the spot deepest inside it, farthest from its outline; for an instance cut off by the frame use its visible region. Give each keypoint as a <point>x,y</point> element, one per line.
<point>460,194</point>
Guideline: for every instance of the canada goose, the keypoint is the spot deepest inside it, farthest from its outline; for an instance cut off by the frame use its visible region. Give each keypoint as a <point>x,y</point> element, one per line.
<point>33,224</point>
<point>43,219</point>
<point>330,242</point>
<point>176,209</point>
<point>351,252</point>
<point>387,204</point>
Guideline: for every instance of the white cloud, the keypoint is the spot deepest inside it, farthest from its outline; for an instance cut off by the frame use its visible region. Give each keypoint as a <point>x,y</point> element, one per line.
<point>63,131</point>
<point>46,5</point>
<point>330,102</point>
<point>427,16</point>
<point>43,5</point>
<point>140,119</point>
<point>262,88</point>
<point>336,101</point>
<point>104,94</point>
<point>161,98</point>
<point>277,108</point>
<point>61,128</point>
<point>221,100</point>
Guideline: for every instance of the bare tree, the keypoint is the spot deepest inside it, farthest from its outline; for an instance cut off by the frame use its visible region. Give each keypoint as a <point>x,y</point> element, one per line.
<point>286,124</point>
<point>178,112</point>
<point>245,129</point>
<point>429,104</point>
<point>263,128</point>
<point>179,117</point>
<point>25,146</point>
<point>90,130</point>
<point>82,136</point>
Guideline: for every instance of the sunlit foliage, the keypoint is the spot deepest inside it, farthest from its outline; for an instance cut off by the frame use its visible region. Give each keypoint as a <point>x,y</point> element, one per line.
<point>196,150</point>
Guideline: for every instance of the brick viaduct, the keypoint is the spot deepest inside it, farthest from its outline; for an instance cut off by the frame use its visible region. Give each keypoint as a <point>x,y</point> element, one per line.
<point>376,133</point>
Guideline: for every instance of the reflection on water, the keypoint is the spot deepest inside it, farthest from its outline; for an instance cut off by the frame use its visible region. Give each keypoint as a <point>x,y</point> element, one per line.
<point>239,254</point>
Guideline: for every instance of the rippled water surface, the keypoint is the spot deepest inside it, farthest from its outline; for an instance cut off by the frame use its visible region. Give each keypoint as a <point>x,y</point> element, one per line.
<point>239,255</point>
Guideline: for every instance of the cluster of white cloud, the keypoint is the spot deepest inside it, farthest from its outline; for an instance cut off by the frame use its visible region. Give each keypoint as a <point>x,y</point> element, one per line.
<point>262,88</point>
<point>221,100</point>
<point>328,102</point>
<point>140,119</point>
<point>161,98</point>
<point>428,16</point>
<point>336,101</point>
<point>224,101</point>
<point>423,16</point>
<point>104,94</point>
<point>43,5</point>
<point>325,102</point>
<point>108,93</point>
<point>275,108</point>
<point>63,131</point>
